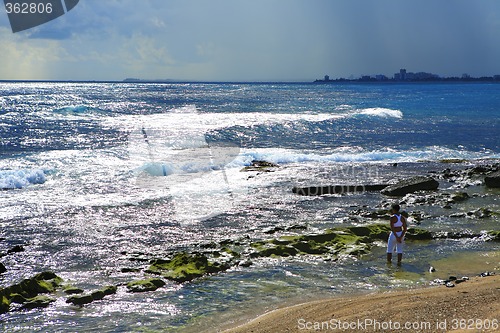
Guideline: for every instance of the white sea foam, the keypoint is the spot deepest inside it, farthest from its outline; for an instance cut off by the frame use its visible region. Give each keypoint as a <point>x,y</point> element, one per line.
<point>381,112</point>
<point>15,179</point>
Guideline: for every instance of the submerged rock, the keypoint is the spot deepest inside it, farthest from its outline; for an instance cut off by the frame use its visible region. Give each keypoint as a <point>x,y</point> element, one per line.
<point>145,285</point>
<point>185,267</point>
<point>16,249</point>
<point>493,180</point>
<point>96,295</point>
<point>411,185</point>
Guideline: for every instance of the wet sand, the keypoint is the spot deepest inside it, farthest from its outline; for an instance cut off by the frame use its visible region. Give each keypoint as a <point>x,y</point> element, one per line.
<point>470,306</point>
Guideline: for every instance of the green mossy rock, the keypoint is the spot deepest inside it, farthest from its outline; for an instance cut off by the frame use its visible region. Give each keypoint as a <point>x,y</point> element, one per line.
<point>185,267</point>
<point>17,298</point>
<point>109,290</point>
<point>145,285</point>
<point>97,295</point>
<point>27,291</point>
<point>355,241</point>
<point>39,301</point>
<point>80,300</point>
<point>4,305</point>
<point>70,290</point>
<point>495,235</point>
<point>373,232</point>
<point>418,234</point>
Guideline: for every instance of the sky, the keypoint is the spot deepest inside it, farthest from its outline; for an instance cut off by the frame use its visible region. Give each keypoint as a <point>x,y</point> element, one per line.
<point>255,40</point>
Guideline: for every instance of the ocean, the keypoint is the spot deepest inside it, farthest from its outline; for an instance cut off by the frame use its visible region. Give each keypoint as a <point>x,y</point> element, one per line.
<point>93,175</point>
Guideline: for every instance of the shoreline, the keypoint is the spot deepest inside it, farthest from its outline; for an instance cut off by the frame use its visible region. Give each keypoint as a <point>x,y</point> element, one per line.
<point>430,308</point>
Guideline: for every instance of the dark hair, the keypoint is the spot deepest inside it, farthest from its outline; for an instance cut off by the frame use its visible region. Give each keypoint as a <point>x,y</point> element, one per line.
<point>396,207</point>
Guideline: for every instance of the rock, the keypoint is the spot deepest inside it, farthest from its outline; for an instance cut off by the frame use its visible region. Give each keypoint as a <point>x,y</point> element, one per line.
<point>16,249</point>
<point>109,290</point>
<point>97,295</point>
<point>494,235</point>
<point>39,301</point>
<point>185,267</point>
<point>485,274</point>
<point>439,281</point>
<point>130,270</point>
<point>411,185</point>
<point>450,285</point>
<point>17,298</point>
<point>80,300</point>
<point>432,269</point>
<point>245,263</point>
<point>4,304</point>
<point>337,189</point>
<point>70,290</point>
<point>28,290</point>
<point>452,278</point>
<point>459,197</point>
<point>145,285</point>
<point>452,161</point>
<point>418,234</point>
<point>493,180</point>
<point>94,296</point>
<point>2,268</point>
<point>260,166</point>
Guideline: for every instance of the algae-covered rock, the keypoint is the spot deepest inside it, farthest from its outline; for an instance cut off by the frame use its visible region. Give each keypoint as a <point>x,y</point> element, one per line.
<point>94,296</point>
<point>27,291</point>
<point>373,231</point>
<point>355,241</point>
<point>109,290</point>
<point>40,301</point>
<point>185,267</point>
<point>80,299</point>
<point>17,298</point>
<point>97,295</point>
<point>494,235</point>
<point>145,285</point>
<point>70,290</point>
<point>4,304</point>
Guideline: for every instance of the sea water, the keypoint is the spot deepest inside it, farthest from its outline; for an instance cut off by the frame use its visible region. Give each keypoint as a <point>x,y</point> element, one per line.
<point>92,173</point>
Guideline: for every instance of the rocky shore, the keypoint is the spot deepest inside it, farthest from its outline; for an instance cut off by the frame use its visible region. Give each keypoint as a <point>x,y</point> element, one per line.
<point>330,244</point>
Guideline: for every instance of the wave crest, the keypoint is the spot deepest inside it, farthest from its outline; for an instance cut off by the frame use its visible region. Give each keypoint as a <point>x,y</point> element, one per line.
<point>381,112</point>
<point>16,179</point>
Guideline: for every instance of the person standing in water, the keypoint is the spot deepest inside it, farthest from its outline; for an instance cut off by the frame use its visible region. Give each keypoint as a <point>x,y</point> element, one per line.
<point>396,237</point>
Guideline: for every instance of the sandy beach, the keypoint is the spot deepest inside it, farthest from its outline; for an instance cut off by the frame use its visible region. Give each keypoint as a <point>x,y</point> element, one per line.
<point>471,306</point>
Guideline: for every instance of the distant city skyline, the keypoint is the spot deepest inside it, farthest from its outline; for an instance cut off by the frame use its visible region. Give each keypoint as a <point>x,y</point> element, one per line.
<point>258,40</point>
<point>404,75</point>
